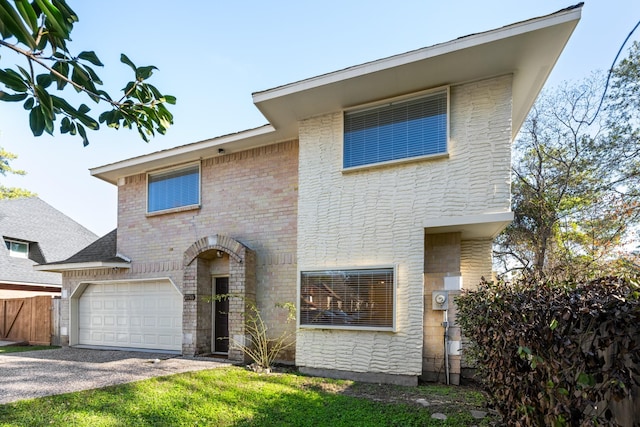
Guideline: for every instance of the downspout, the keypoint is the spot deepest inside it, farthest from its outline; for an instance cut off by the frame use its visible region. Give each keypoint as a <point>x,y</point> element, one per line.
<point>445,323</point>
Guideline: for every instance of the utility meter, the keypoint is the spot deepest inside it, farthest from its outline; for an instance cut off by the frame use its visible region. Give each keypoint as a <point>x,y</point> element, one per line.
<point>440,300</point>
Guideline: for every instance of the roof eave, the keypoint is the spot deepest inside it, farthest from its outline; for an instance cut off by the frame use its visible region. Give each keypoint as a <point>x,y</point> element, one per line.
<point>95,265</point>
<point>528,50</point>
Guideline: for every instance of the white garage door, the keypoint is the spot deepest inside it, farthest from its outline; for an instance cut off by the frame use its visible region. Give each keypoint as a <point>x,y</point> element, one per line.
<point>145,315</point>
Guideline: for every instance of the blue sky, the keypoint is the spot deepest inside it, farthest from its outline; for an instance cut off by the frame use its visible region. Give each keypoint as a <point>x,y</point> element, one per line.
<point>213,55</point>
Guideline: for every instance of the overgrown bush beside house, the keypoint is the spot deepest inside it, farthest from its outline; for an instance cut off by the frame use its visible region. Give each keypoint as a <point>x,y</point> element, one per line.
<point>557,353</point>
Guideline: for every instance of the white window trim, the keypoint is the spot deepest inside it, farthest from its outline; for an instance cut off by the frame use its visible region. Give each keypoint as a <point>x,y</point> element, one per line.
<point>14,254</point>
<point>391,101</point>
<point>392,328</point>
<point>179,208</point>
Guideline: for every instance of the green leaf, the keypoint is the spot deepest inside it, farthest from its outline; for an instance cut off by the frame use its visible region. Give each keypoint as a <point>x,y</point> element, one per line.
<point>4,96</point>
<point>79,76</point>
<point>26,75</point>
<point>46,103</point>
<point>62,105</point>
<point>61,67</point>
<point>65,125</point>
<point>88,121</point>
<point>94,76</point>
<point>91,57</point>
<point>83,134</point>
<point>553,325</point>
<point>44,80</point>
<point>68,14</point>
<point>55,21</point>
<point>36,121</point>
<point>586,379</point>
<point>14,25</point>
<point>28,104</point>
<point>83,109</point>
<point>13,80</point>
<point>169,99</point>
<point>48,120</point>
<point>28,14</point>
<point>143,73</point>
<point>125,60</point>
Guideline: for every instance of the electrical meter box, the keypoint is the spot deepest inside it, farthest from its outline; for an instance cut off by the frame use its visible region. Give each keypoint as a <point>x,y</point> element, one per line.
<point>440,300</point>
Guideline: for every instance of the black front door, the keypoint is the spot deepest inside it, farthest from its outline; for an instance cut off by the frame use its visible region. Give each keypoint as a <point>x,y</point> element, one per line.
<point>221,316</point>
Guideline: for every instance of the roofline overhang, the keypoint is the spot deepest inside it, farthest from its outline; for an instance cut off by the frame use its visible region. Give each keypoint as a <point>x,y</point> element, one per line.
<point>472,227</point>
<point>527,50</point>
<point>43,285</point>
<point>73,266</point>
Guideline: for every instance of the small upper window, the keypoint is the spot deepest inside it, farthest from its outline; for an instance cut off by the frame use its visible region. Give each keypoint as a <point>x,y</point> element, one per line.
<point>359,299</point>
<point>17,249</point>
<point>174,188</point>
<point>400,130</point>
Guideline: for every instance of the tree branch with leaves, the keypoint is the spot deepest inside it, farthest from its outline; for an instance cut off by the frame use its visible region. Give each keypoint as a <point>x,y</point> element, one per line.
<point>575,186</point>
<point>5,168</point>
<point>39,31</point>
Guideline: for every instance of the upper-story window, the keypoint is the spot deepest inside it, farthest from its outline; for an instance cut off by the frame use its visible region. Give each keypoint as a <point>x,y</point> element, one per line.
<point>173,188</point>
<point>400,130</point>
<point>17,249</point>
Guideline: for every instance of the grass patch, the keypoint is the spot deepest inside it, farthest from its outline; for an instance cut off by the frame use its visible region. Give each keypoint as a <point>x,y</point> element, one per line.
<point>21,348</point>
<point>231,397</point>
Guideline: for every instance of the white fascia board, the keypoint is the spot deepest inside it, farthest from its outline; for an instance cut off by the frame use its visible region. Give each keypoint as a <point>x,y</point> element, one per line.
<point>180,154</point>
<point>44,285</point>
<point>58,268</point>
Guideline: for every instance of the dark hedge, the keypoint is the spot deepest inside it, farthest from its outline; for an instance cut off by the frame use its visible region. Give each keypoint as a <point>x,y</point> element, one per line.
<point>556,353</point>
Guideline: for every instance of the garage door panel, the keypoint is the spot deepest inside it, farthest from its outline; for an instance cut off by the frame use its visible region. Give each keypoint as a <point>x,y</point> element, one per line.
<point>131,314</point>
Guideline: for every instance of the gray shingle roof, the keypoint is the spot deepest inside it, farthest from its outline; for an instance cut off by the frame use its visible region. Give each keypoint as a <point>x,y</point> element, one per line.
<point>102,250</point>
<point>56,236</point>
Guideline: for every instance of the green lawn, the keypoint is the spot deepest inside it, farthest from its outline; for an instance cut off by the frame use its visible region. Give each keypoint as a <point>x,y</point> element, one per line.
<point>20,348</point>
<point>237,397</point>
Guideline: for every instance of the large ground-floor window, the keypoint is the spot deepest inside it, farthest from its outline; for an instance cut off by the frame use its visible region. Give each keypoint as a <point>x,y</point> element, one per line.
<point>354,298</point>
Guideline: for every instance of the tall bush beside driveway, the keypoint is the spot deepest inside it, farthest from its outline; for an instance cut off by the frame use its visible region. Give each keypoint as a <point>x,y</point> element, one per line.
<point>556,353</point>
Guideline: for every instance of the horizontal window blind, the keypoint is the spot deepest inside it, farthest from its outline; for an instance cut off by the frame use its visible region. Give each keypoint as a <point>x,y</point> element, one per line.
<point>401,130</point>
<point>347,298</point>
<point>174,189</point>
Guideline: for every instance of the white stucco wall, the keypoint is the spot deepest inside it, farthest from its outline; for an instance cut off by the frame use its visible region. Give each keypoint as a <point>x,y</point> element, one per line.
<point>375,217</point>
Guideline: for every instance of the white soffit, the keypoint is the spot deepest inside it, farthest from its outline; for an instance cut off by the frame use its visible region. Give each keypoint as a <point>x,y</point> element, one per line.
<point>481,226</point>
<point>58,268</point>
<point>528,50</point>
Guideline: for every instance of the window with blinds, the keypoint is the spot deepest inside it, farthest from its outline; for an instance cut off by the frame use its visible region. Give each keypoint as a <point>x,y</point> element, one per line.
<point>173,189</point>
<point>401,130</point>
<point>362,298</point>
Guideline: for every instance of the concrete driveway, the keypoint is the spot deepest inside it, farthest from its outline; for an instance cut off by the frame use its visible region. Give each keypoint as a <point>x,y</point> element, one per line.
<point>34,374</point>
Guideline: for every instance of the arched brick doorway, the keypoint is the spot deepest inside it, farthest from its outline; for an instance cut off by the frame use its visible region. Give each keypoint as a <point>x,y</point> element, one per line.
<point>200,261</point>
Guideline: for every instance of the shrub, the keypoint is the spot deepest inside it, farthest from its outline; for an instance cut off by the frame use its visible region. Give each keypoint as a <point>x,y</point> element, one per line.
<point>555,353</point>
<point>259,344</point>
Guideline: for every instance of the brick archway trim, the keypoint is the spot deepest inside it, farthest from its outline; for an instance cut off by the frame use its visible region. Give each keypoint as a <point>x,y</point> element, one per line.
<point>216,242</point>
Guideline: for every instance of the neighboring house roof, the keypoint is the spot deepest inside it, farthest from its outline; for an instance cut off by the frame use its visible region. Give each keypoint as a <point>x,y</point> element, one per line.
<point>100,254</point>
<point>50,233</point>
<point>528,50</point>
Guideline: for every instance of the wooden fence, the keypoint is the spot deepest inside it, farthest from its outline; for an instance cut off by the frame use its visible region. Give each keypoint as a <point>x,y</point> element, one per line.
<point>27,320</point>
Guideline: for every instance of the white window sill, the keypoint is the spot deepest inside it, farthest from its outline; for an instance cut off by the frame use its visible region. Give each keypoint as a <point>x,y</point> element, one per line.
<point>173,210</point>
<point>395,162</point>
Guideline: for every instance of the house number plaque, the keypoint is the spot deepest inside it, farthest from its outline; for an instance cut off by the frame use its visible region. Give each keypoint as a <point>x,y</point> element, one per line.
<point>189,297</point>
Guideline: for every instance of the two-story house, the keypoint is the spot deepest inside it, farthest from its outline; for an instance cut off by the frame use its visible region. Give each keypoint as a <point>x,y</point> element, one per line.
<point>371,191</point>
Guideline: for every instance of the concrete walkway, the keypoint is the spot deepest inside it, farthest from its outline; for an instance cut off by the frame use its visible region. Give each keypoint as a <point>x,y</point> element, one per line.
<point>32,374</point>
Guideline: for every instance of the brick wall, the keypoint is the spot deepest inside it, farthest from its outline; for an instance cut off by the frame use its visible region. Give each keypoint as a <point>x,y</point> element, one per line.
<point>250,196</point>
